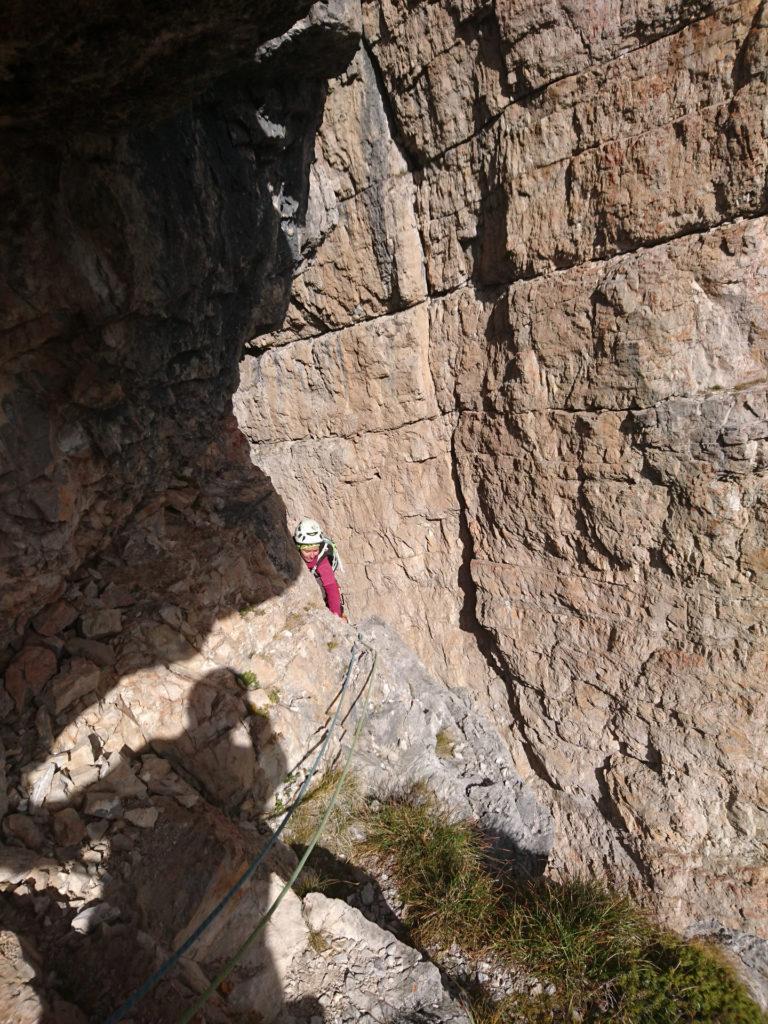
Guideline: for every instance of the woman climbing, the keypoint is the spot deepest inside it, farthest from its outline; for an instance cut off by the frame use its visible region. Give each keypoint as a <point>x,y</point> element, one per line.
<point>320,556</point>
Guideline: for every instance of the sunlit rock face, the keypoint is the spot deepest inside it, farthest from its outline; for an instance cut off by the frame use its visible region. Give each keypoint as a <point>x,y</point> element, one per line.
<point>522,381</point>
<point>151,176</point>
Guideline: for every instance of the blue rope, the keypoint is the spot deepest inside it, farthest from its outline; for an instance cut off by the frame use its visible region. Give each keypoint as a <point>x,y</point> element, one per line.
<point>174,958</point>
<point>263,921</point>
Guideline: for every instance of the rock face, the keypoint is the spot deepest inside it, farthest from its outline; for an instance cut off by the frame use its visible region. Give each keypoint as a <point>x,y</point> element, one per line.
<point>521,377</point>
<point>522,381</point>
<point>137,804</point>
<point>137,258</point>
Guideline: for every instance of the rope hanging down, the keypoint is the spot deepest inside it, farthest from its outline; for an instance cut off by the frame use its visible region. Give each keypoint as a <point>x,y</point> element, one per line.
<point>265,918</point>
<point>358,650</point>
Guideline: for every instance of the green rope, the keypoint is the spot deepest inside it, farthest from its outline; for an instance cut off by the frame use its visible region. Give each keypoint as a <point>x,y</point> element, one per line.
<point>265,918</point>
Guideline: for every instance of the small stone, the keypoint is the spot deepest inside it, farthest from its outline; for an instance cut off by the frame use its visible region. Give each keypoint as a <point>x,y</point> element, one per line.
<point>118,777</point>
<point>41,903</point>
<point>103,805</point>
<point>68,827</point>
<point>114,596</point>
<point>60,793</point>
<point>101,622</point>
<point>99,653</point>
<point>142,817</point>
<point>23,828</point>
<point>80,756</point>
<point>171,614</point>
<point>169,645</point>
<point>41,786</point>
<point>44,728</point>
<point>90,918</point>
<point>28,673</point>
<point>74,681</point>
<point>257,699</point>
<point>153,768</point>
<point>96,830</point>
<point>54,619</point>
<point>367,894</point>
<point>6,703</point>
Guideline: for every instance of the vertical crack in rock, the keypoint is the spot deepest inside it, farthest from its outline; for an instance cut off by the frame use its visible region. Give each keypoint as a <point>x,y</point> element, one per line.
<point>484,638</point>
<point>585,199</point>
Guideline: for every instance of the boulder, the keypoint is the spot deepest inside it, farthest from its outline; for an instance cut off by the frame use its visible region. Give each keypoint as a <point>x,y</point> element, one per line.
<point>28,673</point>
<point>101,622</point>
<point>68,827</point>
<point>76,678</point>
<point>23,828</point>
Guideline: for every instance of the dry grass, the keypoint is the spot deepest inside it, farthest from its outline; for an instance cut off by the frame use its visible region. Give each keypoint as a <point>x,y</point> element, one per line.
<point>607,959</point>
<point>318,941</point>
<point>348,809</point>
<point>444,745</point>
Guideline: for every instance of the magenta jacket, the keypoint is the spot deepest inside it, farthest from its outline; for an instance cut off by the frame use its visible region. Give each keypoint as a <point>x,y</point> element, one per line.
<point>322,570</point>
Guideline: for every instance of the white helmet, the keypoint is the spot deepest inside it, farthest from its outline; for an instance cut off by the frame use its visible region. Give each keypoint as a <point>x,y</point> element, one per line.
<point>308,533</point>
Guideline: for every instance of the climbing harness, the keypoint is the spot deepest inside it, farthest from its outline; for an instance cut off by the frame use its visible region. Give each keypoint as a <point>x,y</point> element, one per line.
<point>329,548</point>
<point>265,918</point>
<point>358,650</point>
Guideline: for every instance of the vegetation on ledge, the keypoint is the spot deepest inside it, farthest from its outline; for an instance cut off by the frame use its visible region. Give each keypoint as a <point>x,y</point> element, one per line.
<point>606,959</point>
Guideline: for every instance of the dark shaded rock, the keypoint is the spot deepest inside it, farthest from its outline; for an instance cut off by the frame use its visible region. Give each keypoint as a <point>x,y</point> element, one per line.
<point>28,673</point>
<point>115,64</point>
<point>134,265</point>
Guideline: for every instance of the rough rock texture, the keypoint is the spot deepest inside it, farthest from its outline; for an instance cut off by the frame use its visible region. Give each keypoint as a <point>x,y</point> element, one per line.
<point>521,377</point>
<point>135,262</point>
<point>527,362</point>
<point>147,795</point>
<point>347,420</point>
<point>404,988</point>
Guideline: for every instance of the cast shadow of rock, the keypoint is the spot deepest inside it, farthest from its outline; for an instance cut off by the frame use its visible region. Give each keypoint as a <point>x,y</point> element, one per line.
<point>160,875</point>
<point>214,549</point>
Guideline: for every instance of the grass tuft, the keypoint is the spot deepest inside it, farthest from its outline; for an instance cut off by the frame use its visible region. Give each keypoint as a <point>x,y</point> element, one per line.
<point>307,815</point>
<point>444,745</point>
<point>248,679</point>
<point>309,881</point>
<point>318,941</point>
<point>606,958</point>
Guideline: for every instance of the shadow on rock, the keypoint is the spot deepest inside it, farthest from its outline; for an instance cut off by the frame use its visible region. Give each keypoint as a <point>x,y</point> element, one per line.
<point>138,771</point>
<point>154,859</point>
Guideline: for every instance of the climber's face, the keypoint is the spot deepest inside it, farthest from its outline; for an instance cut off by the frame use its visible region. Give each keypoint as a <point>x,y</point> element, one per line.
<point>309,553</point>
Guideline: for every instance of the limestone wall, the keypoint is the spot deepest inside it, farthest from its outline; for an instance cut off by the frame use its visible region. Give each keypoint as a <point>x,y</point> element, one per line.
<point>522,380</point>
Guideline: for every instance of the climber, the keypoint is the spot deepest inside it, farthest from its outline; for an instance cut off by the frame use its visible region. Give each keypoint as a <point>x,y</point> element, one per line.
<point>320,556</point>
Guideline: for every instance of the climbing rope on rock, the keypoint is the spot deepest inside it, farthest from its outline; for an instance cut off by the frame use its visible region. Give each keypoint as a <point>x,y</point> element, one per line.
<point>265,918</point>
<point>358,651</point>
